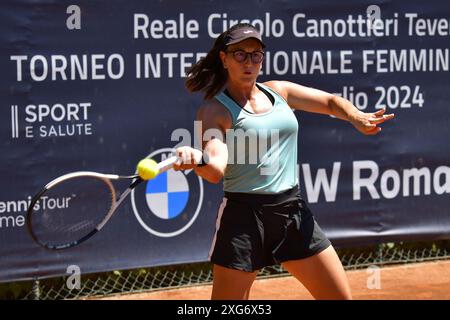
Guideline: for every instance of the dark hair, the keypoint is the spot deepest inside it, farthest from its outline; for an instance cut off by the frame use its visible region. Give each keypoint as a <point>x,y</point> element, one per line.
<point>208,74</point>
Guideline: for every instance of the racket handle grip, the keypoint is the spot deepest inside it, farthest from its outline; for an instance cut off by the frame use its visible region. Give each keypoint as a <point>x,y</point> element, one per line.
<point>167,164</point>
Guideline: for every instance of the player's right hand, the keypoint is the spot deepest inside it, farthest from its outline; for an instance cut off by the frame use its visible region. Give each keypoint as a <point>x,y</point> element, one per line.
<point>188,158</point>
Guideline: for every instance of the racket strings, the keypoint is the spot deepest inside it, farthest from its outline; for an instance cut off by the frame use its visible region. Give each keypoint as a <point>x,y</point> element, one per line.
<point>89,201</point>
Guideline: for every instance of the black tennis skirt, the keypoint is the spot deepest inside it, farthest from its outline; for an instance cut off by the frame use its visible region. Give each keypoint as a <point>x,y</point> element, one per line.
<point>255,230</point>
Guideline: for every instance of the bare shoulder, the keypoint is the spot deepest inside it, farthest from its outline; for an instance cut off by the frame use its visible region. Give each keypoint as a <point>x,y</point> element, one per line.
<point>277,86</point>
<point>214,114</point>
<point>212,109</point>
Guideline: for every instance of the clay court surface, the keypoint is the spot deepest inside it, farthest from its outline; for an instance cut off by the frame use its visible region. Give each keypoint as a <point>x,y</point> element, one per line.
<point>428,280</point>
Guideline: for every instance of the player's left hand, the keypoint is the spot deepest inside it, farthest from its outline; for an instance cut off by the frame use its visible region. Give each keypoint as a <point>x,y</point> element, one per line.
<point>367,123</point>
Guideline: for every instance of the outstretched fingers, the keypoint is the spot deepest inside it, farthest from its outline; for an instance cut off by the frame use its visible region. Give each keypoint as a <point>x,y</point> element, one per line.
<point>381,119</point>
<point>367,123</point>
<point>379,112</point>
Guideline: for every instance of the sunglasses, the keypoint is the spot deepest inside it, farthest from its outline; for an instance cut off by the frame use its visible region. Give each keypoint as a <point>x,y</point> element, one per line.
<point>241,56</point>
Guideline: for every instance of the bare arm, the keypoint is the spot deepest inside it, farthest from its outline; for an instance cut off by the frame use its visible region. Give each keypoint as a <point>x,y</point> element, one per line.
<point>215,120</point>
<point>313,100</point>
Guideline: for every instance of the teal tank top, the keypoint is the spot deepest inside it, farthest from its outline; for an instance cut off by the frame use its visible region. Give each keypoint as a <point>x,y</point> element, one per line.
<point>262,148</point>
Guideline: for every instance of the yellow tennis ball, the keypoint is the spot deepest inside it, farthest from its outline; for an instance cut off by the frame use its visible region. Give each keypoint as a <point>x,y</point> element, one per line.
<point>147,169</point>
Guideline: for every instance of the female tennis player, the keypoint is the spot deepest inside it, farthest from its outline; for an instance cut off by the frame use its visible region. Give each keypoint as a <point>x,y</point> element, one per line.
<point>262,220</point>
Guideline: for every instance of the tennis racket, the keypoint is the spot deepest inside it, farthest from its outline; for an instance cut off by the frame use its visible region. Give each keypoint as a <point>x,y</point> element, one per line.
<point>73,207</point>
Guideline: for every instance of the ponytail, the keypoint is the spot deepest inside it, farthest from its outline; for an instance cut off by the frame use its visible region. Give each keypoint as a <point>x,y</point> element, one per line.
<point>208,74</point>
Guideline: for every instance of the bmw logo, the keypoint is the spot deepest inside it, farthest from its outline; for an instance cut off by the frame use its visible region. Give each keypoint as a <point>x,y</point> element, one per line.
<point>169,204</point>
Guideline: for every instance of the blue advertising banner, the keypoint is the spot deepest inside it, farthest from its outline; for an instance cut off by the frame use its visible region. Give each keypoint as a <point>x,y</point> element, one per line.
<point>99,85</point>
